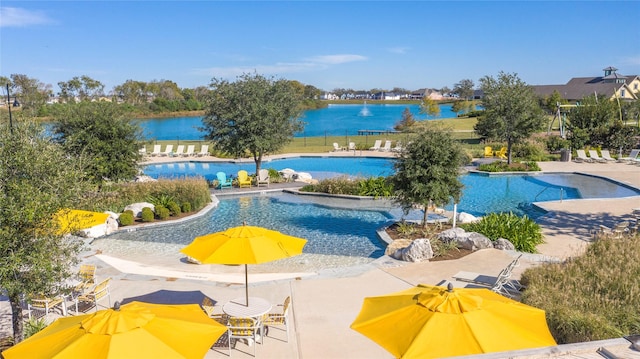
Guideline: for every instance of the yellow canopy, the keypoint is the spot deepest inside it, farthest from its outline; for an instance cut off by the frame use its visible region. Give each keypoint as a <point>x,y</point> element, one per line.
<point>435,322</point>
<point>136,330</point>
<point>71,220</point>
<point>244,245</point>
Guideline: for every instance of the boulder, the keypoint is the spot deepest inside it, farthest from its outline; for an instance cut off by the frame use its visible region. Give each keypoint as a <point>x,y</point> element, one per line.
<point>503,244</point>
<point>450,235</point>
<point>143,178</point>
<point>474,241</point>
<point>419,250</point>
<point>137,208</point>
<point>112,222</point>
<point>467,218</point>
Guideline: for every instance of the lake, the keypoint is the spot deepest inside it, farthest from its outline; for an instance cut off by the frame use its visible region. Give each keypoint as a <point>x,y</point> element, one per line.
<point>334,120</point>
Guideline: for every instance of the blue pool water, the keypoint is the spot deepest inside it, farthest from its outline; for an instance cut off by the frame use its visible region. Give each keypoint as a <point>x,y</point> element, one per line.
<point>318,167</point>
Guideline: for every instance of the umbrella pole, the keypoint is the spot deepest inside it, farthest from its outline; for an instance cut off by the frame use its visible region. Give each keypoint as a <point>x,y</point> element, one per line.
<point>246,285</point>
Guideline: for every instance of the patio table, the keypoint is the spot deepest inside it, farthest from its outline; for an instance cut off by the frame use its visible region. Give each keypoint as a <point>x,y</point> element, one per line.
<point>238,308</point>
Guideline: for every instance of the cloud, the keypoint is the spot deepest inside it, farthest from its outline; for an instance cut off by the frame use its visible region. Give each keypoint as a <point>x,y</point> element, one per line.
<point>336,59</point>
<point>18,17</point>
<point>398,50</point>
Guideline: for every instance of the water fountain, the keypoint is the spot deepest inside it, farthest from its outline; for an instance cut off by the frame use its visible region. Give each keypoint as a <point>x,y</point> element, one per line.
<point>365,111</point>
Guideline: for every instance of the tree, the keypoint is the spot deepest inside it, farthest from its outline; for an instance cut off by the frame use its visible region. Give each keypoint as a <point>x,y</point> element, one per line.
<point>407,121</point>
<point>31,93</point>
<point>511,107</point>
<point>464,89</point>
<point>100,131</point>
<point>589,122</point>
<point>37,179</point>
<point>255,114</point>
<point>84,88</point>
<point>429,107</point>
<point>427,171</point>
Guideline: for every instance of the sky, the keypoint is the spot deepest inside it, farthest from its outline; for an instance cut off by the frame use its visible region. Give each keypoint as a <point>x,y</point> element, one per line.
<point>360,45</point>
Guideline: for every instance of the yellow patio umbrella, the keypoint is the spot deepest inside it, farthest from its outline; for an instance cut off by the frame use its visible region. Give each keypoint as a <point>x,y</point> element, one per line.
<point>71,220</point>
<point>435,322</point>
<point>135,330</point>
<point>244,245</point>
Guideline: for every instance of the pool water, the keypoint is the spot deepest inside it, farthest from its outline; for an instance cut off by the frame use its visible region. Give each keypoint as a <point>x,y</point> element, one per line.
<point>318,167</point>
<point>337,236</point>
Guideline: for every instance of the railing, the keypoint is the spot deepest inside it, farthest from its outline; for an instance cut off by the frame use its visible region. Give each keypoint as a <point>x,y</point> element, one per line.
<point>546,188</point>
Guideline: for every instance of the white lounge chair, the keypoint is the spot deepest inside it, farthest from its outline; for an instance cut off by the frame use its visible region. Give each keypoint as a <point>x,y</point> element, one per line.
<point>593,154</point>
<point>606,155</point>
<point>352,146</point>
<point>262,178</point>
<point>398,147</point>
<point>387,146</point>
<point>190,151</point>
<point>376,146</point>
<point>633,156</point>
<point>581,156</point>
<point>336,147</point>
<point>179,151</point>
<point>167,151</point>
<point>156,150</point>
<point>204,151</point>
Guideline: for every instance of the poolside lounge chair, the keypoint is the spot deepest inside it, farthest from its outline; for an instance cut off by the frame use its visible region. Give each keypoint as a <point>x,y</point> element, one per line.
<point>593,154</point>
<point>156,150</point>
<point>243,179</point>
<point>606,155</point>
<point>263,177</point>
<point>204,151</point>
<point>352,146</point>
<point>633,156</point>
<point>387,146</point>
<point>279,319</point>
<point>376,146</point>
<point>502,153</point>
<point>179,151</point>
<point>398,147</point>
<point>617,231</point>
<point>488,151</point>
<point>191,149</point>
<point>337,148</point>
<point>581,156</point>
<point>223,181</point>
<point>167,151</point>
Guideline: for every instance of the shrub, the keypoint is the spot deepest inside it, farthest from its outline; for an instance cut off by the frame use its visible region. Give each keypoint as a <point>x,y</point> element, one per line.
<point>340,185</point>
<point>33,325</point>
<point>161,199</point>
<point>530,151</point>
<point>162,212</point>
<point>186,207</point>
<point>147,214</point>
<point>174,208</point>
<point>556,143</point>
<point>275,176</point>
<point>375,186</point>
<point>591,297</point>
<point>523,232</point>
<point>126,218</point>
<point>499,166</point>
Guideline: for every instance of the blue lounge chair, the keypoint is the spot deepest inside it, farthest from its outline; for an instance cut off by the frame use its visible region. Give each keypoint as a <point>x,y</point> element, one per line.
<point>223,181</point>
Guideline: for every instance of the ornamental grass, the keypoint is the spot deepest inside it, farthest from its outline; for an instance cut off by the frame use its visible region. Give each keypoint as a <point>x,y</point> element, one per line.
<point>591,297</point>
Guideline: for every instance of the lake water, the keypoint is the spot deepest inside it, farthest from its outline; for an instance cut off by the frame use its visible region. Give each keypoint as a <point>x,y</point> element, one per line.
<point>335,120</point>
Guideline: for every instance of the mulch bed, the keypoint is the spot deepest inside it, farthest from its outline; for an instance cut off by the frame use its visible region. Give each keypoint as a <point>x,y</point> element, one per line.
<point>457,253</point>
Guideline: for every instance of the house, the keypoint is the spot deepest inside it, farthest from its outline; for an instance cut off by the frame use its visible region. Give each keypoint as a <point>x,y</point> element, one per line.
<point>611,84</point>
<point>386,96</point>
<point>429,93</point>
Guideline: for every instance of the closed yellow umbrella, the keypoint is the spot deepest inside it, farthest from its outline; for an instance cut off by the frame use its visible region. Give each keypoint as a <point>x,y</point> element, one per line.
<point>435,322</point>
<point>135,330</point>
<point>244,245</point>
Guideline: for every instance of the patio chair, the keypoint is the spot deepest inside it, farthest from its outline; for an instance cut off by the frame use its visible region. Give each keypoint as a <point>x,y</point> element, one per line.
<point>278,319</point>
<point>263,178</point>
<point>156,150</point>
<point>376,146</point>
<point>179,151</point>
<point>204,151</point>
<point>488,151</point>
<point>97,293</point>
<point>87,275</point>
<point>45,305</point>
<point>337,148</point>
<point>167,151</point>
<point>191,149</point>
<point>387,146</point>
<point>209,309</point>
<point>223,181</point>
<point>633,156</point>
<point>593,154</point>
<point>616,231</point>
<point>243,328</point>
<point>243,179</point>
<point>606,155</point>
<point>352,146</point>
<point>502,153</point>
<point>581,156</point>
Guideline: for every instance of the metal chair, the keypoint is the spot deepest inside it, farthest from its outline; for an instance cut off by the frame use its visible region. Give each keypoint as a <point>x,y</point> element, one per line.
<point>244,328</point>
<point>45,305</point>
<point>278,319</point>
<point>99,291</point>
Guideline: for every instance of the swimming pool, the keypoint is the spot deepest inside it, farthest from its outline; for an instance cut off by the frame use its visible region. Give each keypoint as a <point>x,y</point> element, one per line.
<point>318,167</point>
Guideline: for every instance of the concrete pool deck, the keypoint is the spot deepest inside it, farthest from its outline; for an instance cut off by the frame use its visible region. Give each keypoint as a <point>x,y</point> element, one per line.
<point>324,305</point>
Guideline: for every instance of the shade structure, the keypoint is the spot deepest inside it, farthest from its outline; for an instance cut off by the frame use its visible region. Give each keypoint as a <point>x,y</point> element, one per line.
<point>435,322</point>
<point>135,330</point>
<point>244,245</point>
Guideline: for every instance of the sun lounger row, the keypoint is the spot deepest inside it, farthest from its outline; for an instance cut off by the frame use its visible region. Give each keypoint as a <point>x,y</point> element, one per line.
<point>179,152</point>
<point>377,146</point>
<point>604,157</point>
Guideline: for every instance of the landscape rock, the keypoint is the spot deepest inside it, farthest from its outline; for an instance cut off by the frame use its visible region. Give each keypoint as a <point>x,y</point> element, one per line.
<point>143,178</point>
<point>474,241</point>
<point>137,208</point>
<point>419,250</point>
<point>112,224</point>
<point>503,244</point>
<point>397,244</point>
<point>467,218</point>
<point>450,235</point>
